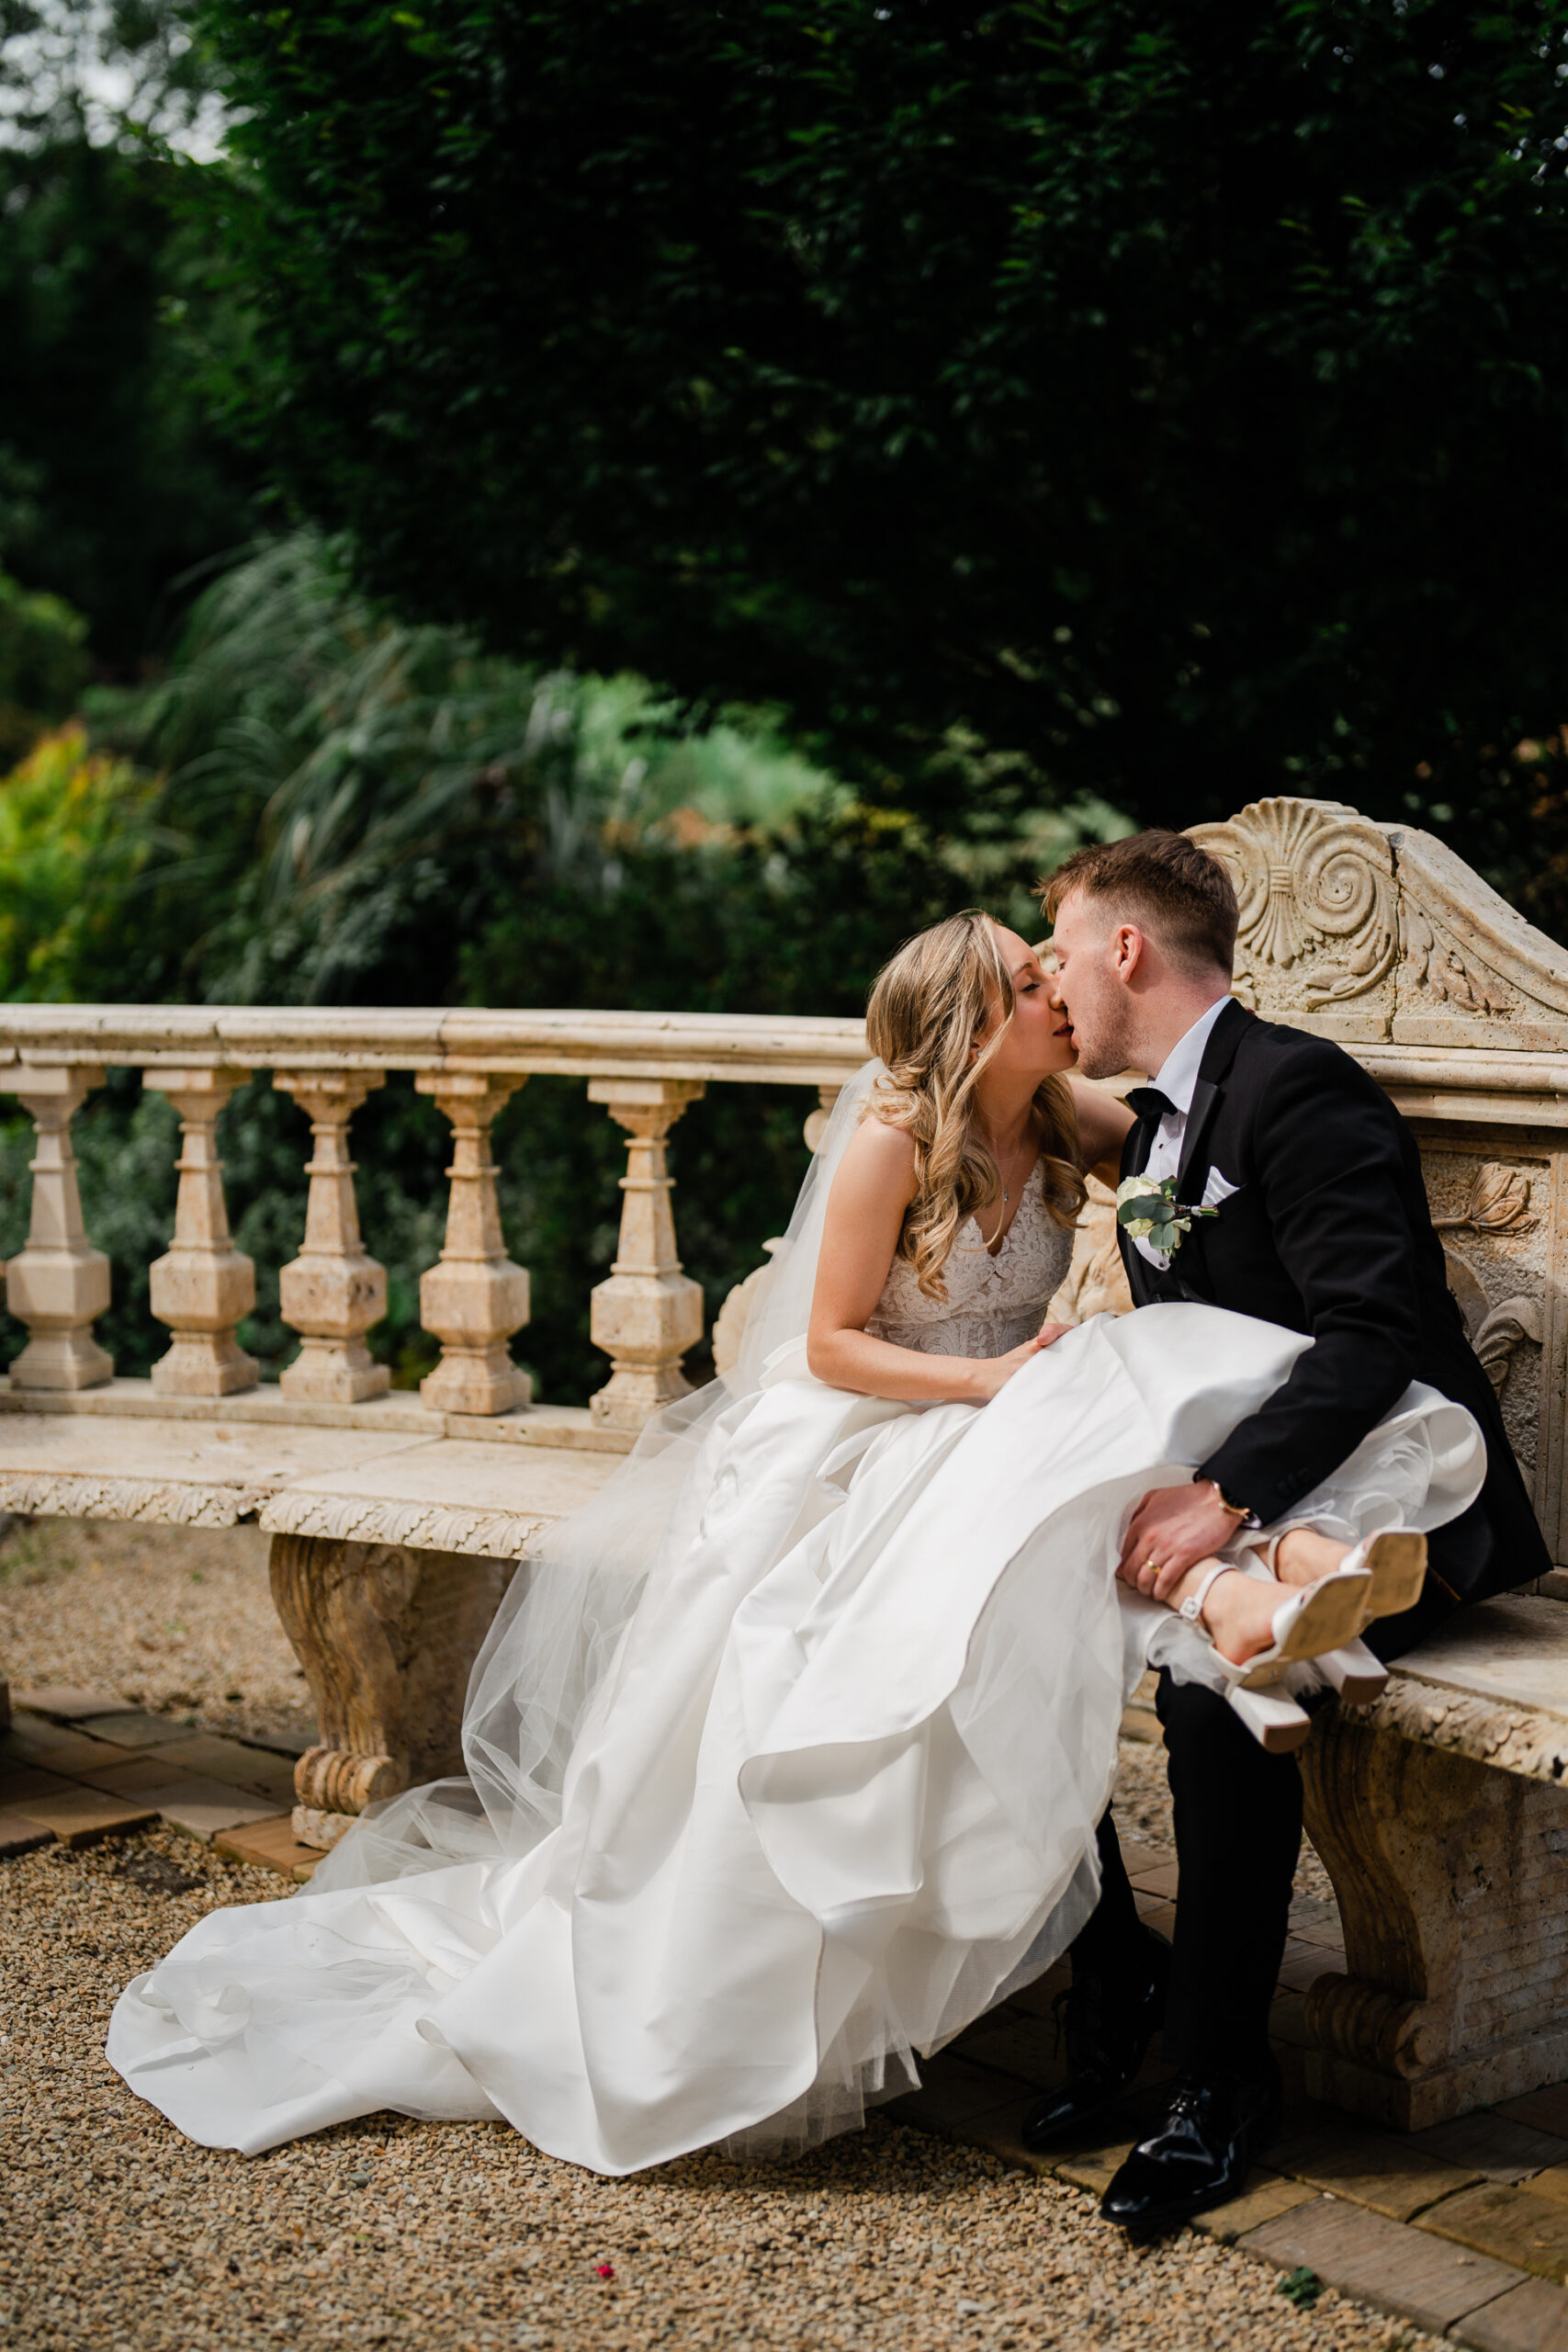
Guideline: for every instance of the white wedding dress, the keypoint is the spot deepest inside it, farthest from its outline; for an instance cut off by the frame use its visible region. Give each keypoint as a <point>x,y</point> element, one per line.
<point>784,1762</point>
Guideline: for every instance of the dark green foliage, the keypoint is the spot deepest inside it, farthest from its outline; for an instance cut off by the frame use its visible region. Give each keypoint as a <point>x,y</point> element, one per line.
<point>1177,396</point>
<point>112,484</point>
<point>43,664</point>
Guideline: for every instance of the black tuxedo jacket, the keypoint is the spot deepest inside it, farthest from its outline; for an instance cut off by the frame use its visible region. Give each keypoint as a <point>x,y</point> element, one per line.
<point>1328,1232</point>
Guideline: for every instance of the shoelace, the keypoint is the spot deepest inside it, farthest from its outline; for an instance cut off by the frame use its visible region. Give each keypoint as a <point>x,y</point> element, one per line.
<point>1186,2100</point>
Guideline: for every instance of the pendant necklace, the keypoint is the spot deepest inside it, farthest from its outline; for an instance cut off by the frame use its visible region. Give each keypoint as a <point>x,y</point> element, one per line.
<point>1012,1162</point>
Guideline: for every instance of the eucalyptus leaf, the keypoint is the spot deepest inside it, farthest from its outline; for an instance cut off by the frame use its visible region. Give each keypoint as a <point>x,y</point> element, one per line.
<point>1146,1205</point>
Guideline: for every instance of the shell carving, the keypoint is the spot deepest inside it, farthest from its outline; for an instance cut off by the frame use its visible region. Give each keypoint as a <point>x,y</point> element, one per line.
<point>1315,887</point>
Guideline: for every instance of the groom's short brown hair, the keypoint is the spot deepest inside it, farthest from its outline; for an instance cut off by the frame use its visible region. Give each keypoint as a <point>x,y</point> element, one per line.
<point>1163,882</point>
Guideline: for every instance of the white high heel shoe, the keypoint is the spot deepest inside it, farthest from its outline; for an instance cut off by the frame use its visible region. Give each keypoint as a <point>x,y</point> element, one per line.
<point>1354,1673</point>
<point>1280,1724</point>
<point>1311,1622</point>
<point>1276,1722</point>
<point>1306,1626</point>
<point>1394,1558</point>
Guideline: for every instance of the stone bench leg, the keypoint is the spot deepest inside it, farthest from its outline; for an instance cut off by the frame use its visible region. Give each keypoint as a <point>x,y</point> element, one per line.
<point>1452,1880</point>
<point>387,1637</point>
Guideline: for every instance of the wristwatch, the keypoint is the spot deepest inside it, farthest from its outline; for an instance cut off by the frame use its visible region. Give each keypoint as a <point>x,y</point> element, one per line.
<point>1243,1516</point>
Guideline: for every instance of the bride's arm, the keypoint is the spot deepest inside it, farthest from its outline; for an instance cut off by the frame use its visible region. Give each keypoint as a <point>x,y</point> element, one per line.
<point>874,1185</point>
<point>1103,1123</point>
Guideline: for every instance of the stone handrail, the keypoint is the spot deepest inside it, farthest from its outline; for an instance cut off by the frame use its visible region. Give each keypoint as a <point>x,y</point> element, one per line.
<point>646,1068</point>
<point>786,1050</point>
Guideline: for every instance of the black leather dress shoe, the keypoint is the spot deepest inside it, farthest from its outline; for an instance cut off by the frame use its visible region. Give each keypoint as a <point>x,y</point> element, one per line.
<point>1108,2030</point>
<point>1197,2155</point>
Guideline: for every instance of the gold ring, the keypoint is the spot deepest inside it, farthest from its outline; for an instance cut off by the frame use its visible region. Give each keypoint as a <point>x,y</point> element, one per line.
<point>1152,1563</point>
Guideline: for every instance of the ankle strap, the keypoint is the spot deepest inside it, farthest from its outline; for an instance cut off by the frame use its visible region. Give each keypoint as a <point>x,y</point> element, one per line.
<point>1192,1607</point>
<point>1270,1550</point>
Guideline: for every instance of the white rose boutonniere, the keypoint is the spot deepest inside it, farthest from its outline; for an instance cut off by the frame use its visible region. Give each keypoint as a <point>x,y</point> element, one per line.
<point>1152,1212</point>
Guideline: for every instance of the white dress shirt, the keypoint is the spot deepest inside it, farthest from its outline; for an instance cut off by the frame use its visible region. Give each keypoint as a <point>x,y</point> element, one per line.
<point>1176,1077</point>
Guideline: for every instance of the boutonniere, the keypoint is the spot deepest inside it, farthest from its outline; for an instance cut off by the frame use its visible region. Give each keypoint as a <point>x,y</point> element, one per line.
<point>1152,1212</point>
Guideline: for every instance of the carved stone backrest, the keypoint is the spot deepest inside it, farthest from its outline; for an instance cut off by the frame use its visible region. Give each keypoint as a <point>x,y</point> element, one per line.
<point>1380,936</point>
<point>1376,933</point>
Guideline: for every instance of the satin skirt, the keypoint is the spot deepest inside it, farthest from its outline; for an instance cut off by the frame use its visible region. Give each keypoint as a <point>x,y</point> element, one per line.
<point>835,1796</point>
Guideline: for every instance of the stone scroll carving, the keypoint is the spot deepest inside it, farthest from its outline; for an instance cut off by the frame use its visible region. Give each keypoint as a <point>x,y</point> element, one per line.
<point>1495,1219</point>
<point>1495,1331</point>
<point>387,1637</point>
<point>1496,1202</point>
<point>1373,932</point>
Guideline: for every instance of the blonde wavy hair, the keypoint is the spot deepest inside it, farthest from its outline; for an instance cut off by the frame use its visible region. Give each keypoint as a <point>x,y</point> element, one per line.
<point>929,1005</point>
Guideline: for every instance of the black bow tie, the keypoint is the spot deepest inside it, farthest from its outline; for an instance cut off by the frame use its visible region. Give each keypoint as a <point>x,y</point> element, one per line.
<point>1147,1103</point>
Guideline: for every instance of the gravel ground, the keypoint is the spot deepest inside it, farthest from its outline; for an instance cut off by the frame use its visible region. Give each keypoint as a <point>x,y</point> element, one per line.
<point>119,2234</point>
<point>178,1620</point>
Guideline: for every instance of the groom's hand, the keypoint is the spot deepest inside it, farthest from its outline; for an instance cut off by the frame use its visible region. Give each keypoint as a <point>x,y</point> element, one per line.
<point>1169,1533</point>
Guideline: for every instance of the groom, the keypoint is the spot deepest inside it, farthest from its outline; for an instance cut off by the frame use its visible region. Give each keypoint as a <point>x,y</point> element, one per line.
<point>1322,1227</point>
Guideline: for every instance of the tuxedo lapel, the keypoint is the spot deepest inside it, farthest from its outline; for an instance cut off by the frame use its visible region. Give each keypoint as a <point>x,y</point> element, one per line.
<point>1199,1118</point>
<point>1150,1283</point>
<point>1135,1152</point>
<point>1141,1278</point>
<point>1218,1055</point>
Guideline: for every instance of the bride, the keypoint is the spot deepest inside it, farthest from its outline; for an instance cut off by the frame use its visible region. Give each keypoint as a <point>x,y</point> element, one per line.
<point>786,1756</point>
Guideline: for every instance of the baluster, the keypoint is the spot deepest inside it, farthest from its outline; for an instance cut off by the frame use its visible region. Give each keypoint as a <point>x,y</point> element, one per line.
<point>816,1121</point>
<point>204,1285</point>
<point>475,1297</point>
<point>333,1291</point>
<point>60,1282</point>
<point>648,1313</point>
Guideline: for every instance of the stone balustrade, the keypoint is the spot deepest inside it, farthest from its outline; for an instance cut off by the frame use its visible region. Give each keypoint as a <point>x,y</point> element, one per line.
<point>646,1068</point>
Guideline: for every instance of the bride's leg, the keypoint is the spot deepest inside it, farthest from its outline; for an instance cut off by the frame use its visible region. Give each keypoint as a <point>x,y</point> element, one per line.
<point>1239,1610</point>
<point>1302,1556</point>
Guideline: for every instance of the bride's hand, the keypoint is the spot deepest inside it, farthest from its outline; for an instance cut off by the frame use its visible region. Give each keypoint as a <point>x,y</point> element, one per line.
<point>993,1373</point>
<point>988,1374</point>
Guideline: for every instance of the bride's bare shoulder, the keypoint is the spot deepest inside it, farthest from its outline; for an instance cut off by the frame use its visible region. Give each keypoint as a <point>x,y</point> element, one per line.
<point>879,1159</point>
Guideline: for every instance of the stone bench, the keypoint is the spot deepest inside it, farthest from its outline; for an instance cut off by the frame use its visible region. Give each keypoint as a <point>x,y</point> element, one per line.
<point>1441,1816</point>
<point>396,1519</point>
<point>1440,1813</point>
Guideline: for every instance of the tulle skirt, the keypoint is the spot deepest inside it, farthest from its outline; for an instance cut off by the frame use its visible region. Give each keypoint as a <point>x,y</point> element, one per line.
<point>764,1803</point>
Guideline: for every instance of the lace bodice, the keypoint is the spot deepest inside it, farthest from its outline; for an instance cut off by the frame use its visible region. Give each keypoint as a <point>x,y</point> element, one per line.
<point>992,1303</point>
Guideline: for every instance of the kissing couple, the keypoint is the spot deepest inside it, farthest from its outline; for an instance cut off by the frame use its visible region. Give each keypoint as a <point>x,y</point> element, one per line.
<point>791,1752</point>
